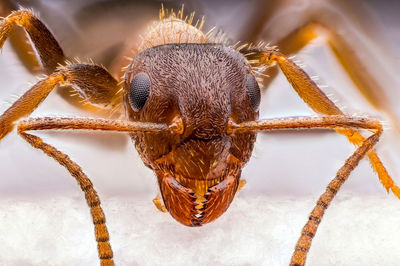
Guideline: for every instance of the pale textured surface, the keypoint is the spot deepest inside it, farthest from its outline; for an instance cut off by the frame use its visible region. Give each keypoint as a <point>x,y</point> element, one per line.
<point>254,231</point>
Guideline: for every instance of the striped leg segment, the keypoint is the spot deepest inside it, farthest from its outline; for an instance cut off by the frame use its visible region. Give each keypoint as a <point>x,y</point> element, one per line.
<point>99,220</point>
<point>92,198</point>
<point>338,123</point>
<point>309,230</point>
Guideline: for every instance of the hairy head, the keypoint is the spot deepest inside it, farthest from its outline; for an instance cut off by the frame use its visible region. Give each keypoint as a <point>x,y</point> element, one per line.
<point>204,86</point>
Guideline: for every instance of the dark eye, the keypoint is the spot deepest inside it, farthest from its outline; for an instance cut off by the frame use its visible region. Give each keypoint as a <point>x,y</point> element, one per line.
<point>253,91</point>
<point>139,91</point>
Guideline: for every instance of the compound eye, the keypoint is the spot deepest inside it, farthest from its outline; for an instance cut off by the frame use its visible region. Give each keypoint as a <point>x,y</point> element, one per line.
<point>139,91</point>
<point>253,91</point>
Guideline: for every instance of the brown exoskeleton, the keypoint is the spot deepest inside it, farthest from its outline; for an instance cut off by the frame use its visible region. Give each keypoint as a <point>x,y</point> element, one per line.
<point>196,131</point>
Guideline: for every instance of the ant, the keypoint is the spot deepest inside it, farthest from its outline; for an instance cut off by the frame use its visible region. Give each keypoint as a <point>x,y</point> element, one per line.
<point>192,108</point>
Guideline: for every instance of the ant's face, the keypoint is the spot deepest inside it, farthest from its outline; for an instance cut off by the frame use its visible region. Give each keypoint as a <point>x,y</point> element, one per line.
<point>204,85</point>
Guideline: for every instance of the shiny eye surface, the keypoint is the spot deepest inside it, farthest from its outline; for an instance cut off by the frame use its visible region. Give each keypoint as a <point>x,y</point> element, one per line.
<point>139,91</point>
<point>253,91</point>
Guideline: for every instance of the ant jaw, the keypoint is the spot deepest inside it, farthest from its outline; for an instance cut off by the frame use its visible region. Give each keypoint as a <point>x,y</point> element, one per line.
<point>194,208</point>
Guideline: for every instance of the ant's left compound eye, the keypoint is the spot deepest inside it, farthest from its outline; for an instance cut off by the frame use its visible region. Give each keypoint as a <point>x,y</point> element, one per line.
<point>139,91</point>
<point>253,91</point>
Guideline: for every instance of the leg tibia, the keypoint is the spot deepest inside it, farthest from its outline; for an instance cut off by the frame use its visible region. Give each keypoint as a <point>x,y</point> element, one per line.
<point>93,83</point>
<point>304,85</point>
<point>27,103</point>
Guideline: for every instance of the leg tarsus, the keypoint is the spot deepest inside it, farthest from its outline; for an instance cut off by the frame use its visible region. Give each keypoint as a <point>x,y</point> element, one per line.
<point>101,233</point>
<point>357,139</point>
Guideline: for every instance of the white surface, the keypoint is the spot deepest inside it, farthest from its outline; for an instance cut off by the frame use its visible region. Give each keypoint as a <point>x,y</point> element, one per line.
<point>255,231</point>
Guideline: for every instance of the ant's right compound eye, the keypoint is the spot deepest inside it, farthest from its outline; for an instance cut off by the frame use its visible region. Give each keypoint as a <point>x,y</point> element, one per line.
<point>253,91</point>
<point>139,91</point>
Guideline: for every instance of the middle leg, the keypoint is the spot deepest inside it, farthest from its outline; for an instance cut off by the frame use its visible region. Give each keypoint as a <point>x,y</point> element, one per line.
<point>93,82</point>
<point>313,96</point>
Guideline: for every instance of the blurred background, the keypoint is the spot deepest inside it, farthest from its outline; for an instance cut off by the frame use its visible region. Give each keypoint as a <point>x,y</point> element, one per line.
<point>352,49</point>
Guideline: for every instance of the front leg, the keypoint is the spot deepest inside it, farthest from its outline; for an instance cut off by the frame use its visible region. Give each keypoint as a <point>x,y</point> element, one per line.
<point>93,82</point>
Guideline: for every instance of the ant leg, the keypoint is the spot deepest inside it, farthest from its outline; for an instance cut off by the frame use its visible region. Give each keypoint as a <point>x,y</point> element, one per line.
<point>47,50</point>
<point>340,123</point>
<point>92,198</point>
<point>291,44</point>
<point>101,233</point>
<point>46,46</point>
<point>92,82</point>
<point>312,95</point>
<point>310,228</point>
